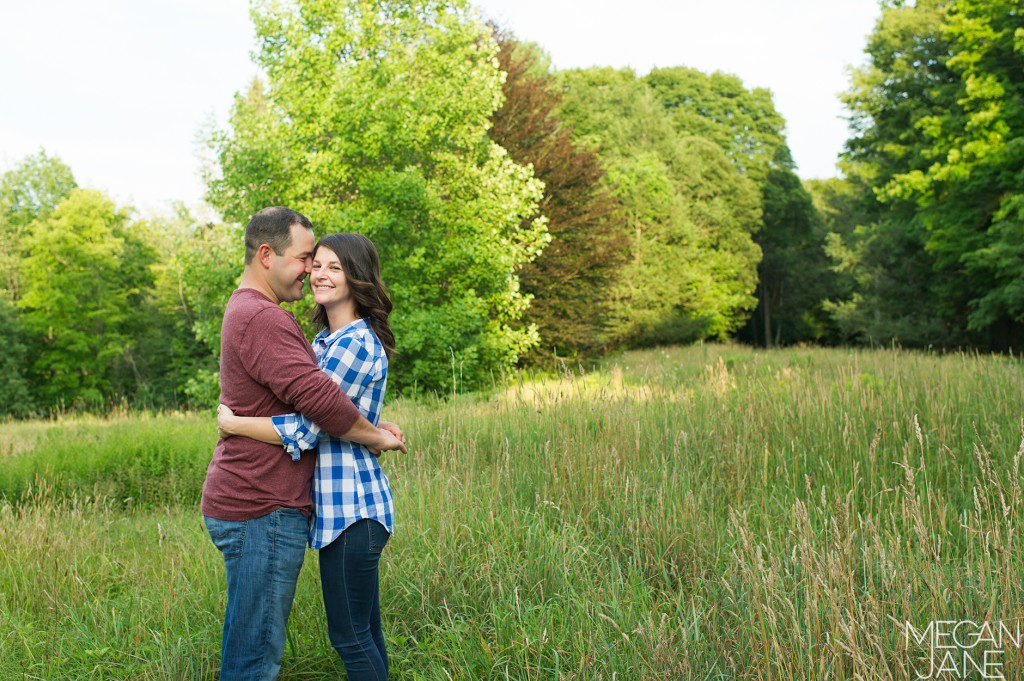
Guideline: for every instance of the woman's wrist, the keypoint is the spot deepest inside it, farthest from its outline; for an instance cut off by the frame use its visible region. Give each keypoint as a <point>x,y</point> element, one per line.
<point>231,425</point>
<point>226,422</point>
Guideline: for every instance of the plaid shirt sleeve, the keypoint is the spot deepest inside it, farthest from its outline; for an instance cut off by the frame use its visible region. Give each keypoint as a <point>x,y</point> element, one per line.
<point>297,432</point>
<point>351,366</point>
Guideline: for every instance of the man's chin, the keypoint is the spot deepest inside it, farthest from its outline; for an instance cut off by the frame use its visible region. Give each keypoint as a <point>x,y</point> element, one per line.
<point>293,297</point>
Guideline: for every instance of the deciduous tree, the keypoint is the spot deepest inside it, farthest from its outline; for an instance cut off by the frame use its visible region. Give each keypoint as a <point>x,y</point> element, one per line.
<point>745,124</point>
<point>938,123</point>
<point>691,263</point>
<point>29,191</point>
<point>86,275</point>
<point>571,281</point>
<point>373,118</point>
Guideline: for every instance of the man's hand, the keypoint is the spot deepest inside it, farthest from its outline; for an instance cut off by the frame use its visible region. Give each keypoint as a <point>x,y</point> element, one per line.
<point>388,441</point>
<point>393,429</point>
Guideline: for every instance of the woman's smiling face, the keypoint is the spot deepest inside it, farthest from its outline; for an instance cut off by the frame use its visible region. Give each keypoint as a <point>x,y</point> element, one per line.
<point>327,279</point>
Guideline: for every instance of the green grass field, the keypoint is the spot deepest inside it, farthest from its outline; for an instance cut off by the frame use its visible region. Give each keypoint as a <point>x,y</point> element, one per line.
<point>704,512</point>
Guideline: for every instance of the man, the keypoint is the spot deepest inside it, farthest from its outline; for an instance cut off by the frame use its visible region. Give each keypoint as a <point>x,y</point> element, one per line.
<point>256,500</point>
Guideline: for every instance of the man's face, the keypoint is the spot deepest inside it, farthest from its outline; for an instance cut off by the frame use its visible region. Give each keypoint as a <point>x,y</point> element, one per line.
<point>288,271</point>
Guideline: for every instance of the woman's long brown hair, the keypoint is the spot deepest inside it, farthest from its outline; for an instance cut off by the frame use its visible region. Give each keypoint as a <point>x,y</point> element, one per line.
<point>361,264</point>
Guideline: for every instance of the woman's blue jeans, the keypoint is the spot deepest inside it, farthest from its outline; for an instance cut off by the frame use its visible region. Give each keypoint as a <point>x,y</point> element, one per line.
<point>263,557</point>
<point>348,576</point>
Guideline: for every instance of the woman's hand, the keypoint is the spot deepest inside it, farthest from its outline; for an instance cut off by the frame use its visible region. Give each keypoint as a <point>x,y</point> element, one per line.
<point>225,420</point>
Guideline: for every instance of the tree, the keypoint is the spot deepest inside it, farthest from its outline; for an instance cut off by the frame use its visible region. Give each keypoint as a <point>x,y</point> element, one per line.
<point>971,196</point>
<point>839,203</point>
<point>84,280</point>
<point>14,395</point>
<point>717,107</point>
<point>205,269</point>
<point>374,119</point>
<point>29,191</point>
<point>937,122</point>
<point>745,124</point>
<point>571,281</point>
<point>691,264</point>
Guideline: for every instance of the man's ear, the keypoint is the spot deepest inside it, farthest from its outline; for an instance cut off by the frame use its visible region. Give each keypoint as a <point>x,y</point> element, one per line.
<point>264,254</point>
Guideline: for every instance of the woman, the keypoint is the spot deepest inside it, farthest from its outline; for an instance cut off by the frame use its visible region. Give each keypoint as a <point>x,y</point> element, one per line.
<point>353,507</point>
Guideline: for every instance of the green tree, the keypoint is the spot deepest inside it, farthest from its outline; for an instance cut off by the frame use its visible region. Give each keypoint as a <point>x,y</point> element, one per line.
<point>881,271</point>
<point>84,280</point>
<point>745,124</point>
<point>839,203</point>
<point>691,264</point>
<point>717,107</point>
<point>14,394</point>
<point>571,281</point>
<point>971,197</point>
<point>938,121</point>
<point>897,287</point>
<point>29,191</point>
<point>204,270</point>
<point>374,119</point>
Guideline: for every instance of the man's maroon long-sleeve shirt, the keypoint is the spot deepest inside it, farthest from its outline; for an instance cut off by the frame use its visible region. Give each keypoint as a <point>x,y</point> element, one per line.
<point>267,368</point>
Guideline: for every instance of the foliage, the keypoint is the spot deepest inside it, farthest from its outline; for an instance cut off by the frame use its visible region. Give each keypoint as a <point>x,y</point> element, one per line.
<point>199,268</point>
<point>839,204</point>
<point>121,328</point>
<point>85,279</point>
<point>571,280</point>
<point>373,119</point>
<point>744,123</point>
<point>29,191</point>
<point>938,124</point>
<point>14,395</point>
<point>719,108</point>
<point>691,266</point>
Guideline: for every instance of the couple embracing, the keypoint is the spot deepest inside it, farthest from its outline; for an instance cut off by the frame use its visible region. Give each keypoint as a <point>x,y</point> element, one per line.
<point>296,418</point>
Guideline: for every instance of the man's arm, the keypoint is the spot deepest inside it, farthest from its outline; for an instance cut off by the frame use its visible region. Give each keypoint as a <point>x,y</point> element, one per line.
<point>282,360</point>
<point>290,430</point>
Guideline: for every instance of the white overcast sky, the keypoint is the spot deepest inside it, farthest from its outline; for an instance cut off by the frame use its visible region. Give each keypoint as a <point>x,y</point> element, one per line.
<point>118,88</point>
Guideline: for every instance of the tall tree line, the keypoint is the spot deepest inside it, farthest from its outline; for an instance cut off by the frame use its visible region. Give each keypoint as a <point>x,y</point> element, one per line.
<point>936,157</point>
<point>525,213</point>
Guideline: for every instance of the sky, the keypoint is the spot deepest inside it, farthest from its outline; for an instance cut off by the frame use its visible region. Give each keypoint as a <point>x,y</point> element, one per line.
<point>119,89</point>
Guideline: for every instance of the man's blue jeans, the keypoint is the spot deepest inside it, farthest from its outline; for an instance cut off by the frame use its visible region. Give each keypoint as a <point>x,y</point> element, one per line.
<point>263,557</point>
<point>348,577</point>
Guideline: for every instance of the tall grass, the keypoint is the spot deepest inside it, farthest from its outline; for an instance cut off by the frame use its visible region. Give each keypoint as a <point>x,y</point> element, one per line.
<point>710,512</point>
<point>129,458</point>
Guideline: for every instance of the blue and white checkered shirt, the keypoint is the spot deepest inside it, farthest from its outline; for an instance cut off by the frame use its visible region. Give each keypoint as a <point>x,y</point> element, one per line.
<point>349,484</point>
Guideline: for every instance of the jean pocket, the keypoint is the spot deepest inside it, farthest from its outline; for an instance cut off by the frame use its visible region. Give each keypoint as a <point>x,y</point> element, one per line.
<point>227,535</point>
<point>292,528</point>
<point>378,536</point>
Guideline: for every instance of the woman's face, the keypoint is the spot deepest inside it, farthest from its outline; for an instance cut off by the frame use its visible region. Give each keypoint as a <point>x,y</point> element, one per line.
<point>328,279</point>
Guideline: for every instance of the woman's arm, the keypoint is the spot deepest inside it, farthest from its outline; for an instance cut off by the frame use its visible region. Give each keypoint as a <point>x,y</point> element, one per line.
<point>254,427</point>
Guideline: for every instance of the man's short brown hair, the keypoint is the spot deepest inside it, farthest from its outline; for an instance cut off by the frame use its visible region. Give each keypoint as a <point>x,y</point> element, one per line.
<point>272,226</point>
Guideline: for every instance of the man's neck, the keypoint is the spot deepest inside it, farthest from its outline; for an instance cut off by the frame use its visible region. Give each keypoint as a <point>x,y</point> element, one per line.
<point>251,280</point>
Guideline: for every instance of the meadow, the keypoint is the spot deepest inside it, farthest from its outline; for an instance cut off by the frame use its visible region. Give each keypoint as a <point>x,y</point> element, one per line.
<point>700,512</point>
